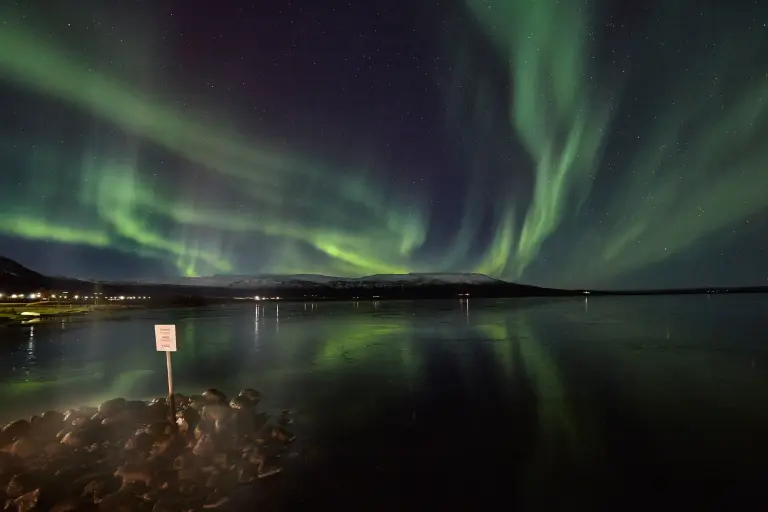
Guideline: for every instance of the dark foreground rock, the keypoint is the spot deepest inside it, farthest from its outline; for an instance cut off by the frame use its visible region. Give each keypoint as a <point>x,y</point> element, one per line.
<point>132,456</point>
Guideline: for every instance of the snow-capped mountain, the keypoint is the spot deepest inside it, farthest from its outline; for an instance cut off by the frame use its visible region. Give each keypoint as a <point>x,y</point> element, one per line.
<point>15,277</point>
<point>314,280</point>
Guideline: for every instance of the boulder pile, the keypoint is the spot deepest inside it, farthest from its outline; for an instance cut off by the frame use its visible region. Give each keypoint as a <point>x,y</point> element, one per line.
<point>133,455</point>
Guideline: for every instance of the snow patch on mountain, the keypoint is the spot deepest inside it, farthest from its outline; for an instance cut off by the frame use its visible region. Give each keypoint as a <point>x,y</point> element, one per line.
<point>309,280</point>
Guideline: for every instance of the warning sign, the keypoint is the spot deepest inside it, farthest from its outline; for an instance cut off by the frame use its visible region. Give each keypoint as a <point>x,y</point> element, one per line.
<point>165,338</point>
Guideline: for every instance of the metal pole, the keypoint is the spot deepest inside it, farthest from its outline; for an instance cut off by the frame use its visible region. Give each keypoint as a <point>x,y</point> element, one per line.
<point>170,386</point>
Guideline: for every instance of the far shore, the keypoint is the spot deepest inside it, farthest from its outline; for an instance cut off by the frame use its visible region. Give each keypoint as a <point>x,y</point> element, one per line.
<point>22,313</point>
<point>26,313</point>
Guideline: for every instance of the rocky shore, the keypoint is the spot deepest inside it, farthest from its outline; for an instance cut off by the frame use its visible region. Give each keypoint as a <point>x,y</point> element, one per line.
<point>134,456</point>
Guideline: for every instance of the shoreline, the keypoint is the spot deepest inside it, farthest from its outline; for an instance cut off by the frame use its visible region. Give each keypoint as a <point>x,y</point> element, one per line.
<point>187,452</point>
<point>13,314</point>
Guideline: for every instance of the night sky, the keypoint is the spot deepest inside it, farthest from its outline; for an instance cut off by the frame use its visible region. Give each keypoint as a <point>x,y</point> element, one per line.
<point>566,143</point>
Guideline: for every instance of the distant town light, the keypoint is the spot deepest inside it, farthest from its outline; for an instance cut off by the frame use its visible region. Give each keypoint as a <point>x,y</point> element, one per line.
<point>122,297</point>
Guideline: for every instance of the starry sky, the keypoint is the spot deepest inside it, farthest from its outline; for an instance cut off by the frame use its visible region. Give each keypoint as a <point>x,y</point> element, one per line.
<point>568,143</point>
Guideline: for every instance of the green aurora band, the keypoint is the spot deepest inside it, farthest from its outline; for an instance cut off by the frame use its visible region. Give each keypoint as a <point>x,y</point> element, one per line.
<point>700,169</point>
<point>363,232</point>
<point>559,108</point>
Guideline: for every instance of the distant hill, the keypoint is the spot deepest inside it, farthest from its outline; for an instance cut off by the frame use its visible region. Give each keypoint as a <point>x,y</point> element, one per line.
<point>383,285</point>
<point>314,280</point>
<point>13,274</point>
<point>14,277</point>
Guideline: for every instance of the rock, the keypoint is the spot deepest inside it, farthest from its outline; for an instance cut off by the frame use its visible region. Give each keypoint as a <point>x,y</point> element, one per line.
<point>222,481</point>
<point>82,412</point>
<point>247,422</point>
<point>157,410</point>
<point>285,417</point>
<point>216,503</point>
<point>214,396</point>
<point>67,505</point>
<point>84,421</point>
<point>141,441</point>
<point>13,431</point>
<point>94,488</point>
<point>252,395</point>
<point>76,439</point>
<point>126,417</point>
<point>205,447</point>
<point>187,420</point>
<point>184,461</point>
<point>52,417</point>
<point>111,407</point>
<point>241,402</point>
<point>55,449</point>
<point>247,473</point>
<point>170,504</point>
<point>159,428</point>
<point>226,427</point>
<point>222,460</point>
<point>167,445</point>
<point>181,400</point>
<point>281,435</point>
<point>269,468</point>
<point>131,455</point>
<point>24,448</point>
<point>69,415</point>
<point>64,431</point>
<point>203,428</point>
<point>257,457</point>
<point>28,501</point>
<point>46,426</point>
<point>122,501</point>
<point>191,474</point>
<point>135,473</point>
<point>20,484</point>
<point>214,412</point>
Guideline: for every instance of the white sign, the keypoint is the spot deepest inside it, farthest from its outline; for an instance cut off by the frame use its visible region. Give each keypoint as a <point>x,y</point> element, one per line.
<point>165,338</point>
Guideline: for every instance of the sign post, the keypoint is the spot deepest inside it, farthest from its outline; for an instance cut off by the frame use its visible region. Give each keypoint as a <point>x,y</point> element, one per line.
<point>165,340</point>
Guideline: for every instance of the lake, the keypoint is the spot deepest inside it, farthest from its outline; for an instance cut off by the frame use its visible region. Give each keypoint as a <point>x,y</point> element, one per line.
<point>616,403</point>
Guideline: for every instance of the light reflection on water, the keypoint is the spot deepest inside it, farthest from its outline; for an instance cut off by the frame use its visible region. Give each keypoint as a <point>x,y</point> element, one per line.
<point>554,391</point>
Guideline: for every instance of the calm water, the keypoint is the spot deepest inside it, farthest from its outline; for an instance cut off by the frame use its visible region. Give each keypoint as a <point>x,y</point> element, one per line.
<point>621,403</point>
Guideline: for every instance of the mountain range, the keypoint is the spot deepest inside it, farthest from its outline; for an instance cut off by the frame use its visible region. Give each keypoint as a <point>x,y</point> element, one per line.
<point>15,278</point>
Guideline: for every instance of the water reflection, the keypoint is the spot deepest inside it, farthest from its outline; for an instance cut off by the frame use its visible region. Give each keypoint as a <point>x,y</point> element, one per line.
<point>529,395</point>
<point>31,348</point>
<point>256,326</point>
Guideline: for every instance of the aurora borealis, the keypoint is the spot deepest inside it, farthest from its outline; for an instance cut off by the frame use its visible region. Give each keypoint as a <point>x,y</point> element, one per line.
<point>552,142</point>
